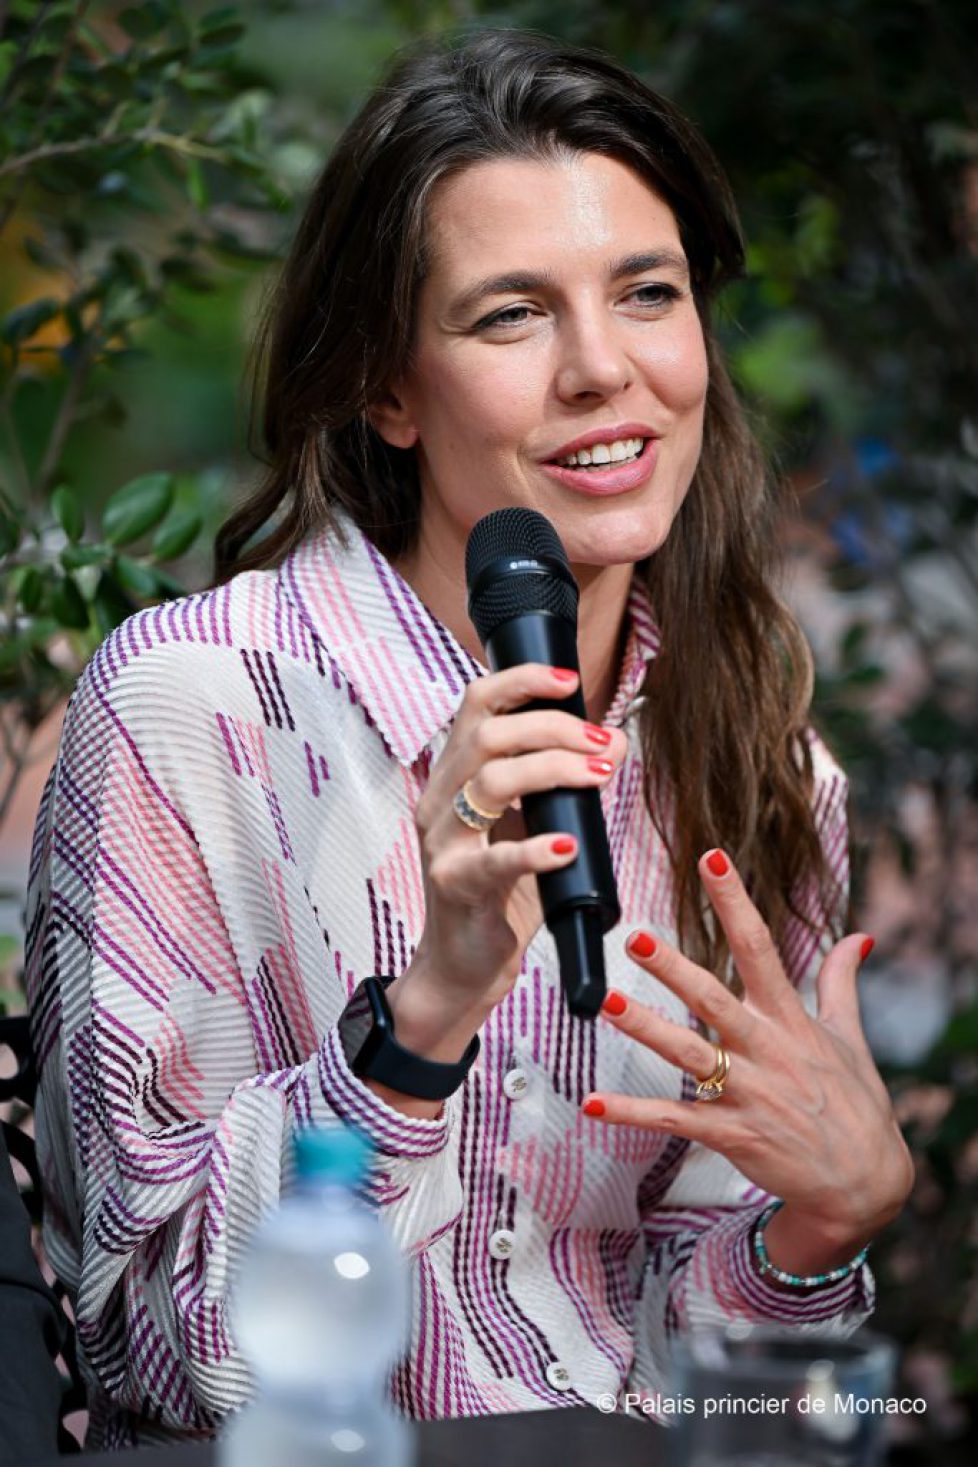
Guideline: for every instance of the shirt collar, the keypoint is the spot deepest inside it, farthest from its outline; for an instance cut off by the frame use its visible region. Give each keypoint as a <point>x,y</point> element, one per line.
<point>399,661</point>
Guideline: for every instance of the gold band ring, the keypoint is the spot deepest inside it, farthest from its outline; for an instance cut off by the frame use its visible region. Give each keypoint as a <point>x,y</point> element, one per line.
<point>712,1087</point>
<point>469,812</point>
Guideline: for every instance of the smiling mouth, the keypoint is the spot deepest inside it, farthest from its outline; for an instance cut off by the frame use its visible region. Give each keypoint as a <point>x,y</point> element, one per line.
<point>603,455</point>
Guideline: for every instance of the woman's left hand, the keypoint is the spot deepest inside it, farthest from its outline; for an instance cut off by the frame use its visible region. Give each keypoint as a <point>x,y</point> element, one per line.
<point>804,1113</point>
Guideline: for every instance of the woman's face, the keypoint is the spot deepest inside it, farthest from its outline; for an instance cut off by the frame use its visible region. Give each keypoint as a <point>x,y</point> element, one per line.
<point>557,308</point>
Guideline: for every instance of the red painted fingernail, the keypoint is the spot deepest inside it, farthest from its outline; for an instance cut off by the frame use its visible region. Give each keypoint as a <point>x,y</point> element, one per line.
<point>597,735</point>
<point>594,1107</point>
<point>563,845</point>
<point>868,944</point>
<point>565,674</point>
<point>615,1003</point>
<point>600,766</point>
<point>642,945</point>
<point>718,863</point>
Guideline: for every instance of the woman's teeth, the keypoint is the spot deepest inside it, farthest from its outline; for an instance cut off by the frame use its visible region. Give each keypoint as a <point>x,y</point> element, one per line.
<point>622,450</point>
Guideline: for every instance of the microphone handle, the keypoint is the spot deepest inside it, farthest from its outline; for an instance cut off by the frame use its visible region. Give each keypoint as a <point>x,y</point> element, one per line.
<point>580,901</point>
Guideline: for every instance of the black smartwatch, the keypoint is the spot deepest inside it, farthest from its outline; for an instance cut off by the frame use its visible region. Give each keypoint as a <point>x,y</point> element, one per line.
<point>372,1052</point>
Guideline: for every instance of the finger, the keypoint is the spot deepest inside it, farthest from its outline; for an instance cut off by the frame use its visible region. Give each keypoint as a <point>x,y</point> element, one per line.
<point>752,946</point>
<point>542,728</point>
<point>511,688</point>
<point>488,736</point>
<point>702,992</point>
<point>497,784</point>
<point>677,1043</point>
<point>473,873</point>
<point>837,987</point>
<point>484,698</point>
<point>697,1120</point>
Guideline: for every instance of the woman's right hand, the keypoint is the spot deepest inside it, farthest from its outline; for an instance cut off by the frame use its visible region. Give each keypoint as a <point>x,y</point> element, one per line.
<point>482,906</point>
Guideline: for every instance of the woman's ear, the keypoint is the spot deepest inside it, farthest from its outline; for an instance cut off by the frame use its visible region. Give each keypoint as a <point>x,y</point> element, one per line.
<point>389,416</point>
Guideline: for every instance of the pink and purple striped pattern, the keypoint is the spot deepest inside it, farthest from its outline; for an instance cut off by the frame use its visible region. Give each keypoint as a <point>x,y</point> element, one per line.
<point>224,848</point>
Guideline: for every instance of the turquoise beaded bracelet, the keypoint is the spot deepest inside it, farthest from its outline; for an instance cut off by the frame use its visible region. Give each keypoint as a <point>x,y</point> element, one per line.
<point>796,1280</point>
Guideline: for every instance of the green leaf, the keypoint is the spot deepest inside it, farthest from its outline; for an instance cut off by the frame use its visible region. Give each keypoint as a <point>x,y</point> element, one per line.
<point>135,577</point>
<point>34,70</point>
<point>9,535</point>
<point>129,264</point>
<point>853,641</point>
<point>69,605</point>
<point>110,603</point>
<point>116,79</point>
<point>25,320</point>
<point>166,56</point>
<point>219,38</point>
<point>36,250</point>
<point>57,21</point>
<point>73,557</point>
<point>868,673</point>
<point>197,185</point>
<point>141,21</point>
<point>123,304</point>
<point>176,537</point>
<point>236,249</point>
<point>31,589</point>
<point>69,513</point>
<point>961,1034</point>
<point>8,50</point>
<point>186,272</point>
<point>137,507</point>
<point>215,20</point>
<point>201,86</point>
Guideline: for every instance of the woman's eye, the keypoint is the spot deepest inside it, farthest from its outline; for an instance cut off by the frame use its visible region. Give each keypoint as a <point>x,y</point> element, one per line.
<point>511,316</point>
<point>656,295</point>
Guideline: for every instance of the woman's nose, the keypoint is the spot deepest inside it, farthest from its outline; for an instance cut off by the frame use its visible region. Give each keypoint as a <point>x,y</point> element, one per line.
<point>591,359</point>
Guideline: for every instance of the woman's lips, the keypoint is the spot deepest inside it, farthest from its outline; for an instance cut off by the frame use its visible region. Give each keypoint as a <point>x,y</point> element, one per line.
<point>613,479</point>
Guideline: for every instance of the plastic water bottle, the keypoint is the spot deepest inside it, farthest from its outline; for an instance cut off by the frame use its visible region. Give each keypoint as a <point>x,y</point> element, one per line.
<point>321,1312</point>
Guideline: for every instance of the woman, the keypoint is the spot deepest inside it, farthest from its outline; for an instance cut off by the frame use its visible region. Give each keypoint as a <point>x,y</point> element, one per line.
<point>270,791</point>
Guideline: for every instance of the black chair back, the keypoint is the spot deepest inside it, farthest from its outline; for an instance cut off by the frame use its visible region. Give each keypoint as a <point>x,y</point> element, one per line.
<point>20,1089</point>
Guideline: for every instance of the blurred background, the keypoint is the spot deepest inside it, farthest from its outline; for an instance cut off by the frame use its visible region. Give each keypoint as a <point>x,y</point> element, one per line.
<point>152,161</point>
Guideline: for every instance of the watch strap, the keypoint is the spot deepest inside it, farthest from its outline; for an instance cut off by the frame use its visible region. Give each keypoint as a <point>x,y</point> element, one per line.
<point>374,1053</point>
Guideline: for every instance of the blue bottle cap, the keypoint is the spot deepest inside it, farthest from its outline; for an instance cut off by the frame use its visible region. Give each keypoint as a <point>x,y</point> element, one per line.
<point>336,1153</point>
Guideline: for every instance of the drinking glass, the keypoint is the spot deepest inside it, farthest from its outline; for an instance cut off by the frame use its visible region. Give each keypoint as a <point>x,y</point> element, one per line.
<point>759,1396</point>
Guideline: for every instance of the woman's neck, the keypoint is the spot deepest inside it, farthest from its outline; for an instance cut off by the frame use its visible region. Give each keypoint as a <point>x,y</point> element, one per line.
<point>437,575</point>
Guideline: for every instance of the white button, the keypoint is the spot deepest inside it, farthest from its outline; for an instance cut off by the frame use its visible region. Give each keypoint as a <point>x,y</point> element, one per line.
<point>558,1376</point>
<point>502,1242</point>
<point>514,1084</point>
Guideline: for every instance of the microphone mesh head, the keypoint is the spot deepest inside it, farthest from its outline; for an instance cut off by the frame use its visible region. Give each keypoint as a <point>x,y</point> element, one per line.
<point>517,534</point>
<point>511,532</point>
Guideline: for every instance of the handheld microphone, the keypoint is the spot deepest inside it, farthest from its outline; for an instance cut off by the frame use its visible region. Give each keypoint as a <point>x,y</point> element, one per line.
<point>523,602</point>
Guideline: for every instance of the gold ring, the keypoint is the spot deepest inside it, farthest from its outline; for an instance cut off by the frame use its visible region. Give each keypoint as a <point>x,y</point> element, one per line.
<point>712,1087</point>
<point>469,812</point>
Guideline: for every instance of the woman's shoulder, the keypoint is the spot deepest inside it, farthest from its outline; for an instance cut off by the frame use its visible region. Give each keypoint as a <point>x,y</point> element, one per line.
<point>195,649</point>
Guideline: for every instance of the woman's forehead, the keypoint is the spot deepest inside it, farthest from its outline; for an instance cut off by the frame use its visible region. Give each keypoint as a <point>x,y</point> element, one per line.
<point>523,212</point>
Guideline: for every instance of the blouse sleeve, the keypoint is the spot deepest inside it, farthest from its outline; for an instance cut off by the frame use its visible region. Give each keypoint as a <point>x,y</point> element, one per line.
<point>698,1212</point>
<point>185,1003</point>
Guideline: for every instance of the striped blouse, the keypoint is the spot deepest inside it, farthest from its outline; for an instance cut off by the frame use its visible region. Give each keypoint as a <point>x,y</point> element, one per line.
<point>225,847</point>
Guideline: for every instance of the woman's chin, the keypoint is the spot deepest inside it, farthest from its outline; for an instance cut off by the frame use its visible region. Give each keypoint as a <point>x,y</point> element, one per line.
<point>609,547</point>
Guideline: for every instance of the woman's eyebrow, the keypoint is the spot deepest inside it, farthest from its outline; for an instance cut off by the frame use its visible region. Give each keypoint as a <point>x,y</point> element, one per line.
<point>651,260</point>
<point>514,281</point>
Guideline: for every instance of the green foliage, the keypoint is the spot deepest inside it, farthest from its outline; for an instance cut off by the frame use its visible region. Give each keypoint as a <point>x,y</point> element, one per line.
<point>138,166</point>
<point>136,508</point>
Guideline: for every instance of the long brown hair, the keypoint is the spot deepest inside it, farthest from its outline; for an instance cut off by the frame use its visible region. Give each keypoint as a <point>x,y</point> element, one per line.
<point>727,703</point>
